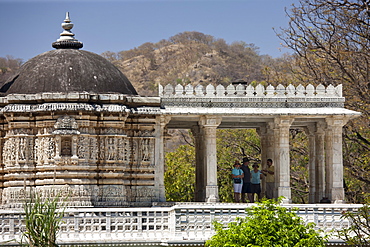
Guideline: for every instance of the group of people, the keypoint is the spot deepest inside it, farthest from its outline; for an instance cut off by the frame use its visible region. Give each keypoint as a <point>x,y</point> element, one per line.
<point>247,182</point>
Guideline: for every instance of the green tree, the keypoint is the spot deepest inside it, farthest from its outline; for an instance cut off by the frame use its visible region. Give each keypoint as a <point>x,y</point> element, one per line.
<point>299,160</point>
<point>358,233</point>
<point>179,177</point>
<point>330,40</point>
<point>267,225</point>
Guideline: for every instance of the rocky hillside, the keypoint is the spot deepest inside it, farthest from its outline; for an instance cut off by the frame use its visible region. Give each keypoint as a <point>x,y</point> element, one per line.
<point>196,58</point>
<point>8,67</point>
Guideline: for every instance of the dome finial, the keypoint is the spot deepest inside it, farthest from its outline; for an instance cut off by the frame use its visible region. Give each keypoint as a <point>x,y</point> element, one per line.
<point>67,39</point>
<point>67,18</point>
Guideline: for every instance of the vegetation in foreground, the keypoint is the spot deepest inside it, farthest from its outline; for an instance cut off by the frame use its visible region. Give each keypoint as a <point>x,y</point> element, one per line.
<point>42,219</point>
<point>358,233</point>
<point>267,225</point>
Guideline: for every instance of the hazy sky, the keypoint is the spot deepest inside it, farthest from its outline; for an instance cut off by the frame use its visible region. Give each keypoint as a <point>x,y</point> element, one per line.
<point>28,27</point>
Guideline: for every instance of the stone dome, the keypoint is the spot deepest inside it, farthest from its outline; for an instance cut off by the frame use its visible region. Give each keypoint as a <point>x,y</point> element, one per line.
<point>68,69</point>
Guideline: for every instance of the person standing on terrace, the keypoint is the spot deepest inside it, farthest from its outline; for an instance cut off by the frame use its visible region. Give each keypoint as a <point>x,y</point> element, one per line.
<point>270,179</point>
<point>237,175</point>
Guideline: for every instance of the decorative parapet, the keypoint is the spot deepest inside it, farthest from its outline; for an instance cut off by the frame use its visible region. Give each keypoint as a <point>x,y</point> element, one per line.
<point>79,101</point>
<point>250,96</point>
<point>249,91</point>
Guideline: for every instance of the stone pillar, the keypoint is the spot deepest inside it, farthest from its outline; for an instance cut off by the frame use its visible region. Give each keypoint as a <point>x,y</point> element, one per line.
<point>282,158</point>
<point>200,183</point>
<point>319,161</point>
<point>161,123</point>
<point>266,134</point>
<point>262,132</point>
<point>58,145</point>
<point>310,131</point>
<point>334,159</point>
<point>208,126</point>
<point>74,147</point>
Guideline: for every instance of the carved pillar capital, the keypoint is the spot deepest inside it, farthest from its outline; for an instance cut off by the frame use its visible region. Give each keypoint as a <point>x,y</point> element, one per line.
<point>283,122</point>
<point>210,121</point>
<point>163,120</point>
<point>310,129</point>
<point>336,121</point>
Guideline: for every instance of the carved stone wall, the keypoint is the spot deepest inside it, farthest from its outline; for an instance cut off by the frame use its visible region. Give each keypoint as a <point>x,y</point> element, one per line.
<point>104,159</point>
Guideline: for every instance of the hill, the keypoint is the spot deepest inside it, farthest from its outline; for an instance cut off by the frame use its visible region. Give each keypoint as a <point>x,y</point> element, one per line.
<point>196,58</point>
<point>8,67</point>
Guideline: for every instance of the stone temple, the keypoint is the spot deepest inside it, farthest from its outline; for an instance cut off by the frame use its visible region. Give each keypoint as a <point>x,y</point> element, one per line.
<point>72,123</point>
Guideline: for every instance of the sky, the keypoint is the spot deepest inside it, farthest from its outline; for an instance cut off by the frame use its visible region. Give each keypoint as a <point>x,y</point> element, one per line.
<point>29,27</point>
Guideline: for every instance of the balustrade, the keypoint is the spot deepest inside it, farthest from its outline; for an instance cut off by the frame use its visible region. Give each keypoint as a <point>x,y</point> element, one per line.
<point>182,223</point>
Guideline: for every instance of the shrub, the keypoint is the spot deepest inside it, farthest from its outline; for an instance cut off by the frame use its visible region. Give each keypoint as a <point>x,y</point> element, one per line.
<point>267,224</point>
<point>42,220</point>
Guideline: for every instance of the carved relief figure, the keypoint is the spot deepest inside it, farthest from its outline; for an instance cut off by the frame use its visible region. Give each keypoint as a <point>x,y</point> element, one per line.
<point>102,148</point>
<point>145,150</point>
<point>30,148</point>
<point>121,149</point>
<point>36,150</point>
<point>22,149</point>
<point>12,148</point>
<point>8,151</point>
<point>111,149</point>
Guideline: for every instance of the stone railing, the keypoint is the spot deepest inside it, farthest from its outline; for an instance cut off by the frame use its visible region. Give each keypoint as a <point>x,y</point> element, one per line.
<point>185,223</point>
<point>240,90</point>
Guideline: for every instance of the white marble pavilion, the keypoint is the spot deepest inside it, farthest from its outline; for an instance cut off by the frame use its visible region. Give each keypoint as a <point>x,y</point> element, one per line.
<point>319,111</point>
